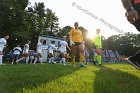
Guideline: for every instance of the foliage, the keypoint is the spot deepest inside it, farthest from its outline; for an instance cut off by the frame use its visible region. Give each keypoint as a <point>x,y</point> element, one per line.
<point>126,44</point>
<point>26,23</point>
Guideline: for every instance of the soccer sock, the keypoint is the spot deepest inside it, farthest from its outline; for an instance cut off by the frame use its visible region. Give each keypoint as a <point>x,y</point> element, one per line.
<point>27,60</point>
<point>40,59</point>
<point>85,61</point>
<point>64,60</point>
<point>35,60</point>
<point>0,59</point>
<point>50,60</point>
<point>99,59</point>
<point>20,59</point>
<point>81,58</point>
<point>95,57</point>
<point>73,60</point>
<point>61,61</point>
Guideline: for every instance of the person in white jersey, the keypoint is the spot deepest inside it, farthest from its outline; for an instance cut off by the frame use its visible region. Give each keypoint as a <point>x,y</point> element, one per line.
<point>39,51</point>
<point>3,43</point>
<point>63,50</point>
<point>25,53</point>
<point>16,53</point>
<point>51,48</point>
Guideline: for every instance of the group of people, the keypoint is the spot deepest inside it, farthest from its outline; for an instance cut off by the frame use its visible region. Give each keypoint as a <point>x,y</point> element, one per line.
<point>108,56</point>
<point>31,56</point>
<point>76,43</point>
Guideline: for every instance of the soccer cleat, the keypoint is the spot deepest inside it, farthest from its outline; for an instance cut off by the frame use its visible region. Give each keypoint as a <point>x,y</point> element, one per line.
<point>53,62</point>
<point>86,63</point>
<point>134,63</point>
<point>16,62</point>
<point>82,65</point>
<point>94,62</point>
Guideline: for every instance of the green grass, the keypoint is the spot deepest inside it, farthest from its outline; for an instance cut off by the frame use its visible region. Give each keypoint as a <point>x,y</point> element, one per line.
<point>49,78</point>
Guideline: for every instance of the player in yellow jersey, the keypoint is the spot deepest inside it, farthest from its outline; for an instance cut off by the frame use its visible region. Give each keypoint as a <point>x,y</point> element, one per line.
<point>98,45</point>
<point>76,40</point>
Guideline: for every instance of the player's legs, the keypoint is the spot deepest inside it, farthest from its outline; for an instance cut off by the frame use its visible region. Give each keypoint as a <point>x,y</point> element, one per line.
<point>35,60</point>
<point>31,59</point>
<point>95,58</point>
<point>15,58</point>
<point>73,52</point>
<point>98,55</point>
<point>82,53</point>
<point>20,59</point>
<point>40,57</point>
<point>27,60</point>
<point>1,54</point>
<point>24,57</point>
<point>51,58</point>
<point>99,59</point>
<point>64,57</point>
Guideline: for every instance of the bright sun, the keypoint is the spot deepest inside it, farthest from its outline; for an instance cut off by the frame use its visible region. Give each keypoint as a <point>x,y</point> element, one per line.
<point>90,34</point>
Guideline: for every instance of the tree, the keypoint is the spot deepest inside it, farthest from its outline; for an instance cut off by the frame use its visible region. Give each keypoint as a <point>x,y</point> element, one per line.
<point>52,23</point>
<point>12,18</point>
<point>65,30</point>
<point>126,44</point>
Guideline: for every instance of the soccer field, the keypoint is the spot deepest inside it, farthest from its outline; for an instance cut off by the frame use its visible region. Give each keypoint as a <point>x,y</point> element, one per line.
<point>56,78</point>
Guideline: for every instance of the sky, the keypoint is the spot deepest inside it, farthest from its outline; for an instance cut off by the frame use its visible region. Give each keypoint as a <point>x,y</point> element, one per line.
<point>108,15</point>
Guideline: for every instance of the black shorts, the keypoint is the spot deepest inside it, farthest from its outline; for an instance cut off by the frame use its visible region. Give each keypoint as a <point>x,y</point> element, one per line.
<point>77,43</point>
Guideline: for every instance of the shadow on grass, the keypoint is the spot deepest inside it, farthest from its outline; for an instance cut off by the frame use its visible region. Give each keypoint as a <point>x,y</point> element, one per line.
<point>109,80</point>
<point>16,77</point>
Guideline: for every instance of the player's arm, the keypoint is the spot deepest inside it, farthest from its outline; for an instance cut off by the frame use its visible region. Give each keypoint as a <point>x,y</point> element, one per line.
<point>100,46</point>
<point>68,47</point>
<point>70,33</point>
<point>58,47</point>
<point>14,48</point>
<point>131,13</point>
<point>25,47</point>
<point>127,4</point>
<point>20,49</point>
<point>5,46</point>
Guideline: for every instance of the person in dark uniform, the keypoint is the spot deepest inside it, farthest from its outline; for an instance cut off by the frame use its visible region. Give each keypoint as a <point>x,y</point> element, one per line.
<point>132,13</point>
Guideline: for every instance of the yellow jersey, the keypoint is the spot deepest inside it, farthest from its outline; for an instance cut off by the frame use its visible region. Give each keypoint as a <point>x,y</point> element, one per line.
<point>76,35</point>
<point>97,41</point>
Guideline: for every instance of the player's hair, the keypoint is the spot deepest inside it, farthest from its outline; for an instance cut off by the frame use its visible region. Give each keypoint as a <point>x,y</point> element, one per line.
<point>52,42</point>
<point>44,42</point>
<point>4,35</point>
